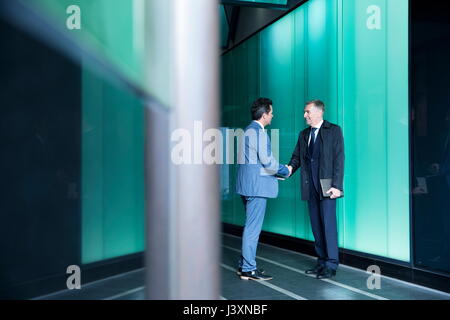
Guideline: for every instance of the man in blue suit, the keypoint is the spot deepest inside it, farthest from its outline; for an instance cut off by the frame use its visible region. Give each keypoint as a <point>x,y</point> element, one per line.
<point>256,182</point>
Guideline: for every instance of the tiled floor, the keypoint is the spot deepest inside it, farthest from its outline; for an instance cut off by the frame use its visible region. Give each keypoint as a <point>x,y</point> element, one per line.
<point>290,282</point>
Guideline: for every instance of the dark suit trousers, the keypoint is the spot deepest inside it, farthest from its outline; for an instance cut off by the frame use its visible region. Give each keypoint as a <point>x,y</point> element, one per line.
<point>323,223</point>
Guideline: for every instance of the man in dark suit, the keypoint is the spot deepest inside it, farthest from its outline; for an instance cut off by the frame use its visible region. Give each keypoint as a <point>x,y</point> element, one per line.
<point>256,182</point>
<point>320,154</point>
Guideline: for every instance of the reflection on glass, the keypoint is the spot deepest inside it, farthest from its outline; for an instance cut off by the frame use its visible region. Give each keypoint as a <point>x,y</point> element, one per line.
<point>72,160</point>
<point>430,114</point>
<point>112,170</point>
<point>113,30</point>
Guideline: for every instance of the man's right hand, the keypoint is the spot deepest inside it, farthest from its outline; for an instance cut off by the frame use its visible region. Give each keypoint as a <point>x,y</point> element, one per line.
<point>290,170</point>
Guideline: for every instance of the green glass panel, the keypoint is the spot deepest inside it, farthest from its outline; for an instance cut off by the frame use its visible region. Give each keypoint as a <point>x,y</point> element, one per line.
<point>353,55</point>
<point>398,124</point>
<point>299,92</point>
<point>366,137</point>
<point>112,171</point>
<point>110,29</point>
<point>113,128</point>
<point>277,84</point>
<point>376,103</point>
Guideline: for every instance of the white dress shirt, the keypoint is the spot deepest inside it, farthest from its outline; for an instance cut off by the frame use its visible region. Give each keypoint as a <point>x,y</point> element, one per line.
<point>317,131</point>
<point>262,127</point>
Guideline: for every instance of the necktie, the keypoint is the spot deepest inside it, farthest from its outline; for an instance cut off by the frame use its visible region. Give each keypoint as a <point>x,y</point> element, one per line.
<point>312,141</point>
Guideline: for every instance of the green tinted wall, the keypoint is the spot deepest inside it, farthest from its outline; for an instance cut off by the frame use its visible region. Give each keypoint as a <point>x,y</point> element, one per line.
<point>112,191</point>
<point>353,55</point>
<point>133,37</point>
<point>112,171</point>
<point>113,30</point>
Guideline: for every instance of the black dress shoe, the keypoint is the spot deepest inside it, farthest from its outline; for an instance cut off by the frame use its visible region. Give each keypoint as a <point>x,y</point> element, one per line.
<point>317,269</point>
<point>239,271</point>
<point>255,275</point>
<point>326,273</point>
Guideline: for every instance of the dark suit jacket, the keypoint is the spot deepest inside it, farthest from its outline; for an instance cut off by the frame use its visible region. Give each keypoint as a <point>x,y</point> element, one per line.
<point>331,164</point>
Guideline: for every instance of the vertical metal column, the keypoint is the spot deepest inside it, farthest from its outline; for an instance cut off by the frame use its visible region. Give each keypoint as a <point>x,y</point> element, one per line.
<point>182,201</point>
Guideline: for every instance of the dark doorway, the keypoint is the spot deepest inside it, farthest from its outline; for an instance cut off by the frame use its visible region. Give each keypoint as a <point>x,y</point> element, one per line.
<point>430,134</point>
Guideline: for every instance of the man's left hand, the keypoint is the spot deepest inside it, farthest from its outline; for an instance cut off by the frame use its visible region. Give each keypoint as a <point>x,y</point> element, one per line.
<point>335,193</point>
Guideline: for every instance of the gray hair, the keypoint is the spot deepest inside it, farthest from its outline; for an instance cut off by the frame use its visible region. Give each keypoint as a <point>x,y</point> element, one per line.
<point>317,103</point>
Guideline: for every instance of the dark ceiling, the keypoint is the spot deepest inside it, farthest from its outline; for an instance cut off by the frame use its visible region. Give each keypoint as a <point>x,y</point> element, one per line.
<point>241,18</point>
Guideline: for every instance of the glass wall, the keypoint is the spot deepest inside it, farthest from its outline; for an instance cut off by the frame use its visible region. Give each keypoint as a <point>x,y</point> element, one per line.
<point>112,170</point>
<point>40,168</point>
<point>353,55</point>
<point>431,135</point>
<point>113,30</point>
<point>73,140</point>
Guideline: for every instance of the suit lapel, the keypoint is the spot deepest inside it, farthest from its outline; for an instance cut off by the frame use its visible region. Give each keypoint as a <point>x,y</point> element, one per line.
<point>306,136</point>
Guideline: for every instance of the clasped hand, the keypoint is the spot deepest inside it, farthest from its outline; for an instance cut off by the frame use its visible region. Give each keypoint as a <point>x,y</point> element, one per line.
<point>335,193</point>
<point>290,170</point>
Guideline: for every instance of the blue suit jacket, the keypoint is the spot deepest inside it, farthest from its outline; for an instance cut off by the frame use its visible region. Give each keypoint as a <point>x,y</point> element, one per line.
<point>256,165</point>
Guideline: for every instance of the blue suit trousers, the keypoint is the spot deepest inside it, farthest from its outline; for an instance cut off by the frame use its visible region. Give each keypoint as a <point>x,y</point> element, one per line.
<point>255,208</point>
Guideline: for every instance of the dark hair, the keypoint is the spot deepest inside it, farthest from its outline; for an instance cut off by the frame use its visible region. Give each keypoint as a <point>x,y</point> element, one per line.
<point>259,107</point>
<point>317,103</point>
